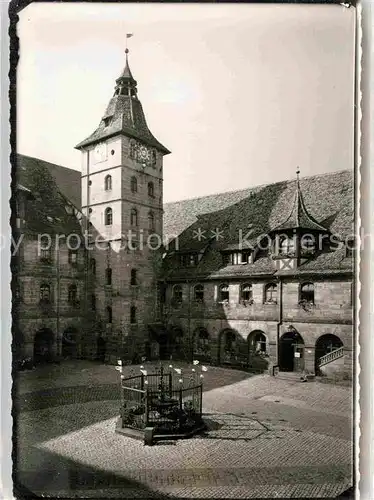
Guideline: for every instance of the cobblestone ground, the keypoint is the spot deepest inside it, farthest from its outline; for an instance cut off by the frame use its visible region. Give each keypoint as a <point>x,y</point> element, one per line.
<point>265,438</point>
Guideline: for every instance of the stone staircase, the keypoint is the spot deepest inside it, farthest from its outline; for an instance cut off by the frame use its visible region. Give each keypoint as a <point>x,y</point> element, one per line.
<point>331,356</point>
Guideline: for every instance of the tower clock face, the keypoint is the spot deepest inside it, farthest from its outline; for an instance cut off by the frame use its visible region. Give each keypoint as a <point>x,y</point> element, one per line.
<point>143,154</point>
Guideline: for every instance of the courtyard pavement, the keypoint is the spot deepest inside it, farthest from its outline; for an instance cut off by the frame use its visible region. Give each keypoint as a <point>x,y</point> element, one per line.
<point>265,438</point>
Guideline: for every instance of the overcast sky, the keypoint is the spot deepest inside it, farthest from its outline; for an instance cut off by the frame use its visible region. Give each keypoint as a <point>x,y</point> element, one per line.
<point>241,94</point>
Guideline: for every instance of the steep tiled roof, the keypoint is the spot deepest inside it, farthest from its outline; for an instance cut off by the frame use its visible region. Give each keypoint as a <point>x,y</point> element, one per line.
<point>50,187</point>
<point>327,197</point>
<point>245,216</point>
<point>125,116</point>
<point>67,179</point>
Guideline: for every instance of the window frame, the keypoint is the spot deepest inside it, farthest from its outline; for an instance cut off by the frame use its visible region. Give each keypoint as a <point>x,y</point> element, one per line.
<point>109,315</point>
<point>133,315</point>
<point>303,295</point>
<point>73,262</point>
<point>93,266</point>
<point>108,276</point>
<point>134,217</point>
<point>151,222</point>
<point>221,291</point>
<point>46,255</point>
<point>72,294</point>
<point>45,298</point>
<point>134,184</point>
<point>108,183</point>
<point>242,291</point>
<point>108,216</point>
<point>274,287</point>
<point>288,249</point>
<point>134,277</point>
<point>199,300</point>
<point>151,189</point>
<point>177,299</point>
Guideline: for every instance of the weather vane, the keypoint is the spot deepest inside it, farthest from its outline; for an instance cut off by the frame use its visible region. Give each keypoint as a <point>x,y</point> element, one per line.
<point>128,35</point>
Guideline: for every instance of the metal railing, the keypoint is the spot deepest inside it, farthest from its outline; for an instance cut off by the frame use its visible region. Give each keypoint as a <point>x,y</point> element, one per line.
<point>331,356</point>
<point>161,402</point>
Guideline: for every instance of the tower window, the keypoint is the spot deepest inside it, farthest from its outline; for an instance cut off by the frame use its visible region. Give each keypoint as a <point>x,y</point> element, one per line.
<point>45,251</point>
<point>151,189</point>
<point>93,302</point>
<point>271,290</point>
<point>108,216</point>
<point>134,184</point>
<point>307,293</point>
<point>224,294</point>
<point>134,217</point>
<point>108,183</point>
<point>109,315</point>
<point>45,293</point>
<point>108,276</point>
<point>93,265</point>
<point>133,315</point>
<point>287,246</point>
<point>151,221</point>
<point>73,257</point>
<point>134,278</point>
<point>307,244</point>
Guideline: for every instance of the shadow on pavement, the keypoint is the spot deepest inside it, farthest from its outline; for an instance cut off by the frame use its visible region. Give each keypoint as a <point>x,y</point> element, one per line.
<point>57,477</point>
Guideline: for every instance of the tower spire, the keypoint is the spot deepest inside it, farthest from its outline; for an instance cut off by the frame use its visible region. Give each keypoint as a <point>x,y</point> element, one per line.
<point>299,216</point>
<point>124,113</point>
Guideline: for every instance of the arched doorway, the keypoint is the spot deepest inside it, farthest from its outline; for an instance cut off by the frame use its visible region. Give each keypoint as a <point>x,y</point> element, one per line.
<point>69,342</point>
<point>201,347</point>
<point>228,346</point>
<point>256,343</point>
<point>43,342</point>
<point>178,348</point>
<point>101,349</point>
<point>324,345</point>
<point>257,351</point>
<point>291,352</point>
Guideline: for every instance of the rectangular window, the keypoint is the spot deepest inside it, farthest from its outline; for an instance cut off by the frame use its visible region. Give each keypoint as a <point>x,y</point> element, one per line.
<point>46,255</point>
<point>73,257</point>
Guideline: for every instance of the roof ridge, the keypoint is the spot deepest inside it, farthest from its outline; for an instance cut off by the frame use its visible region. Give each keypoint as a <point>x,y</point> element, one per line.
<point>46,161</point>
<point>257,186</point>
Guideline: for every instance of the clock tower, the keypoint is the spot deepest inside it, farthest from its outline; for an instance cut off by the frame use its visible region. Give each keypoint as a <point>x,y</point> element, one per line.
<point>122,201</point>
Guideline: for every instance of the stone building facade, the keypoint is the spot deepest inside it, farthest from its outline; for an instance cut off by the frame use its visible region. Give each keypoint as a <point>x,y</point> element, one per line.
<point>48,274</point>
<point>264,277</point>
<point>261,277</point>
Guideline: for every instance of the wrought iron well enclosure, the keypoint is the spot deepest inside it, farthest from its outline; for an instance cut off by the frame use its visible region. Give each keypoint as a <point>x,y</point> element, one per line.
<point>170,407</point>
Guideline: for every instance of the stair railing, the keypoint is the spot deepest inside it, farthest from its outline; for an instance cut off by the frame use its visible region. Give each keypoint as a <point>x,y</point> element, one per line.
<point>331,356</point>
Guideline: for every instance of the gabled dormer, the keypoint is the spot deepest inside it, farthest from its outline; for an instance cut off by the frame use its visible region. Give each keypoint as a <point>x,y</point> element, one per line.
<point>299,237</point>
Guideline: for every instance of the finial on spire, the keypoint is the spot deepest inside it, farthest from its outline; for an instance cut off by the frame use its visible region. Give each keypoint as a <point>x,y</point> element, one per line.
<point>298,173</point>
<point>128,35</point>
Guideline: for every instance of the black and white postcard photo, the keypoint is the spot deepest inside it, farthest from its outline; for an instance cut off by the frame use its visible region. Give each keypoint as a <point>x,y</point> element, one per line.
<point>184,248</point>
